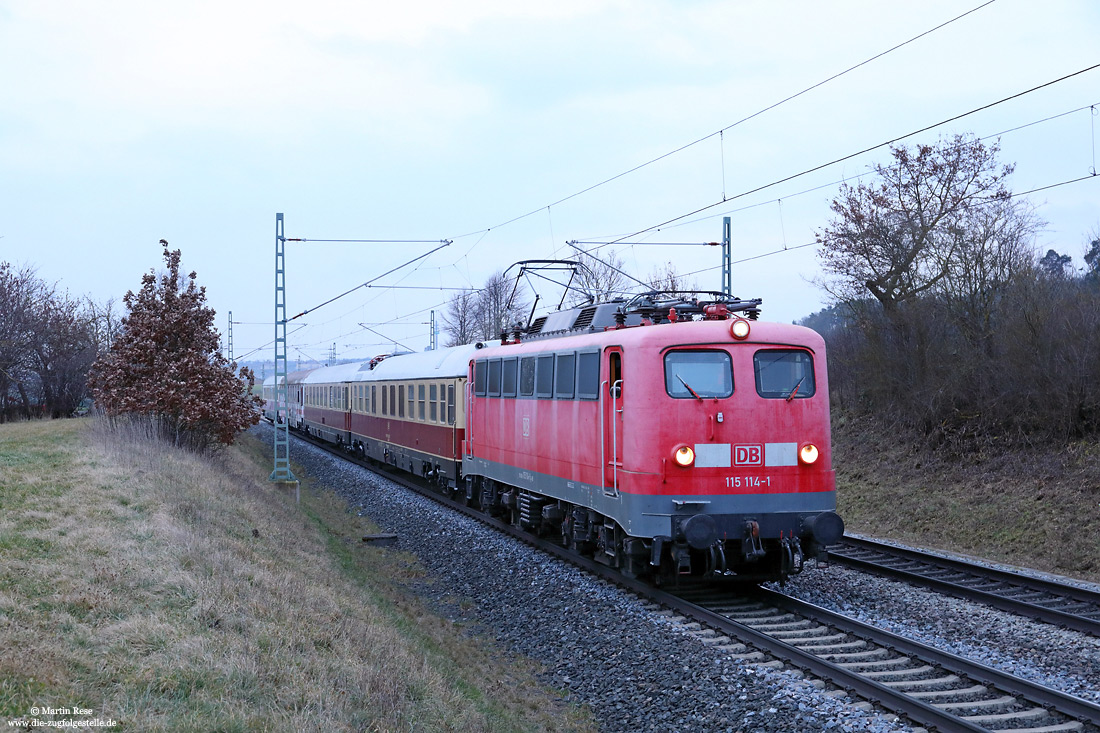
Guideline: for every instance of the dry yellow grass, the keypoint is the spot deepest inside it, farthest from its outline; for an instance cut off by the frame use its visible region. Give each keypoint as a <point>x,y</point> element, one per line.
<point>1031,506</point>
<point>172,592</point>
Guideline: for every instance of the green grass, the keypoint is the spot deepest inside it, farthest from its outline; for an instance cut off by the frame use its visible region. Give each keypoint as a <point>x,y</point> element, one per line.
<point>173,592</point>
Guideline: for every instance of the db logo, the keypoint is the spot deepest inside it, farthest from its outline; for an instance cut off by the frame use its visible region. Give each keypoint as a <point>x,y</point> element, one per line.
<point>747,455</point>
<point>527,427</point>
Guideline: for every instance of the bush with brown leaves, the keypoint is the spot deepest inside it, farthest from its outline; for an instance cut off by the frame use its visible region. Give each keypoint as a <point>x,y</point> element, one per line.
<point>166,371</point>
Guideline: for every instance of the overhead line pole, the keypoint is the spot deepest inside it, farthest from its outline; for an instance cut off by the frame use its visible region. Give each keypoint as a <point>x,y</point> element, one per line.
<point>727,270</point>
<point>282,472</point>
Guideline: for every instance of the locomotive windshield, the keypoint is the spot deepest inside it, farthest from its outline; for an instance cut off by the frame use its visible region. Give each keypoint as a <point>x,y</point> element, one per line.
<point>784,374</point>
<point>698,374</point>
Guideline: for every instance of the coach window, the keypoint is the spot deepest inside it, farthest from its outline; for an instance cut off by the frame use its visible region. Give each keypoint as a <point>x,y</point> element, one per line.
<point>693,375</point>
<point>565,370</point>
<point>481,376</point>
<point>508,377</point>
<point>420,389</point>
<point>782,374</point>
<point>433,402</point>
<point>494,378</point>
<point>588,375</point>
<point>544,376</point>
<point>527,376</point>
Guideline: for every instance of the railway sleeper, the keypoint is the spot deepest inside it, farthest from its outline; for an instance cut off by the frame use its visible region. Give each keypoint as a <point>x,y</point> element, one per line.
<point>1030,714</point>
<point>851,649</point>
<point>973,691</point>
<point>810,637</point>
<point>950,679</point>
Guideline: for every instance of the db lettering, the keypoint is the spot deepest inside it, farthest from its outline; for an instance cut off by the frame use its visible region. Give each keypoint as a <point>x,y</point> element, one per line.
<point>747,455</point>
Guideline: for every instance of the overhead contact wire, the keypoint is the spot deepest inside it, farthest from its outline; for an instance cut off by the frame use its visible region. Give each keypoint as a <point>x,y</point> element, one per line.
<point>860,152</point>
<point>730,126</point>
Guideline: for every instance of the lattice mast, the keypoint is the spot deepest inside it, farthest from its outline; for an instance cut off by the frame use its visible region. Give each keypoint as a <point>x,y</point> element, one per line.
<point>282,470</point>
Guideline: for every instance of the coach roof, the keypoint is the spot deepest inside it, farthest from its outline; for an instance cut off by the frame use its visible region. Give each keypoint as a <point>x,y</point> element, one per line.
<point>446,363</point>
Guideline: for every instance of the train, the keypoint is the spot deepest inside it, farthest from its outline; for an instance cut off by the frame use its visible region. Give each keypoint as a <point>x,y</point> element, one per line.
<point>668,436</point>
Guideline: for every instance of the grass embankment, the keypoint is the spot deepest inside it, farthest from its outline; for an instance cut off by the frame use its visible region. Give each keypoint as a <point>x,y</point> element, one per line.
<point>1036,506</point>
<point>172,592</point>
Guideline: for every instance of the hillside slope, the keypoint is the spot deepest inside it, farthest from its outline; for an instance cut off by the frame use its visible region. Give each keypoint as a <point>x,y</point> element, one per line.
<point>1032,506</point>
<point>169,591</point>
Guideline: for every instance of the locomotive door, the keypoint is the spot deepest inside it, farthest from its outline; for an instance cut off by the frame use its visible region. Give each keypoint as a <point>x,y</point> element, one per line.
<point>611,414</point>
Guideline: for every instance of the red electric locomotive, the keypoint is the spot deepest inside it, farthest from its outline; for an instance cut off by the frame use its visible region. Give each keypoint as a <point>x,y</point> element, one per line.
<point>667,438</point>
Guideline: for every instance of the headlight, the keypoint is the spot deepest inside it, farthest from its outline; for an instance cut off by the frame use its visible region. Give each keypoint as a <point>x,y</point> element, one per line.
<point>739,329</point>
<point>808,454</point>
<point>684,455</point>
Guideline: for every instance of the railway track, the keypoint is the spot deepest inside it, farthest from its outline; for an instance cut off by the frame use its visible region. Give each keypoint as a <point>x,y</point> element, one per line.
<point>1066,606</point>
<point>928,687</point>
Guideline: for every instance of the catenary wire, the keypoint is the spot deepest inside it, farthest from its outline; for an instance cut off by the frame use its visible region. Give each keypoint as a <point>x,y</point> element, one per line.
<point>732,125</point>
<point>861,152</point>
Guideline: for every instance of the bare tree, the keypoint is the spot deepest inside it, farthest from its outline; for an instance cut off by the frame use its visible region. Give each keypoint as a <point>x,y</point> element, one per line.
<point>599,279</point>
<point>460,318</point>
<point>667,279</point>
<point>899,237</point>
<point>1092,256</point>
<point>104,321</point>
<point>994,243</point>
<point>64,349</point>
<point>21,294</point>
<point>501,304</point>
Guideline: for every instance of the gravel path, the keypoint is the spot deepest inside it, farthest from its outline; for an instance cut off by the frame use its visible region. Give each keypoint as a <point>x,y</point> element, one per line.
<point>634,668</point>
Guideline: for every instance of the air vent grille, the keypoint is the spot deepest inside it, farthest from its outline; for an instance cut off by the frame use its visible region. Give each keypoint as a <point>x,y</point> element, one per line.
<point>584,320</point>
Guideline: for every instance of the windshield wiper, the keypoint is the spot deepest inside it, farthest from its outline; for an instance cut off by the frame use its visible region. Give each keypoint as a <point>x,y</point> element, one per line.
<point>693,392</point>
<point>795,390</point>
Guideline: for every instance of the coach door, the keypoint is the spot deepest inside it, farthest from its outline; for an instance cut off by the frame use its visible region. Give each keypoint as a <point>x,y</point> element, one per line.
<point>611,418</point>
<point>347,410</point>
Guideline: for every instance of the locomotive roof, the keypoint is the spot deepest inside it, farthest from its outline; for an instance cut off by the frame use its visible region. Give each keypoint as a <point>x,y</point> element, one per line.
<point>683,333</point>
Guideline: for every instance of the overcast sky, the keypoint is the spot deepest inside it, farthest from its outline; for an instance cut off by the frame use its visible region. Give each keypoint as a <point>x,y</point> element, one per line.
<point>127,122</point>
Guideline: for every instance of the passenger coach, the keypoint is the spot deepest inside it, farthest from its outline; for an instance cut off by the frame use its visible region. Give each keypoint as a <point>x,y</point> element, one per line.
<point>407,410</point>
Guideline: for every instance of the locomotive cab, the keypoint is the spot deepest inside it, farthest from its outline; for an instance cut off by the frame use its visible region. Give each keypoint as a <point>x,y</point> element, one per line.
<point>745,478</point>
